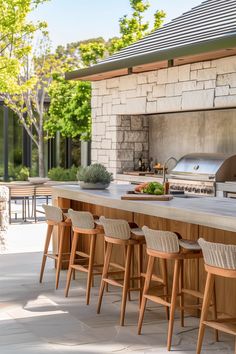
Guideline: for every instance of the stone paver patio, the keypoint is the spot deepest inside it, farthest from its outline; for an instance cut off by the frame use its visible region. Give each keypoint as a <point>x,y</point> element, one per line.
<point>36,319</point>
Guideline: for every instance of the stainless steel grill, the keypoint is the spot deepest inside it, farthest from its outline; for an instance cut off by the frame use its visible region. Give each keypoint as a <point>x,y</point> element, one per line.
<point>197,174</point>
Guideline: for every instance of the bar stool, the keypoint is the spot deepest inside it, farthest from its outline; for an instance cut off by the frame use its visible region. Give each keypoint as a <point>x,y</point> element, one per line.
<point>118,232</point>
<point>220,260</point>
<point>55,217</point>
<point>84,224</point>
<point>166,245</point>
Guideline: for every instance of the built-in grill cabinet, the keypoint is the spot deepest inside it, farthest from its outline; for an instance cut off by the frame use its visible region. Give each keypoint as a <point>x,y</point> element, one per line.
<point>197,174</point>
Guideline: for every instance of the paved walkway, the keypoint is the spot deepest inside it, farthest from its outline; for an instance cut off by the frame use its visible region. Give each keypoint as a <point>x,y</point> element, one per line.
<point>36,319</point>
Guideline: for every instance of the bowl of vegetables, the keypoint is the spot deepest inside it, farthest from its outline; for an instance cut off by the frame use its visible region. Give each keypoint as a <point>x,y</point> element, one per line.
<point>154,188</point>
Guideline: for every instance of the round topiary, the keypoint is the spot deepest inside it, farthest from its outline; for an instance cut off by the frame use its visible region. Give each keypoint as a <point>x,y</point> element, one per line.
<point>94,176</point>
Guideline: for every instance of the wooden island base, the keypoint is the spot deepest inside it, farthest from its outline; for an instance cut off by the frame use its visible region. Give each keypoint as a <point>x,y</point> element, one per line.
<point>195,274</point>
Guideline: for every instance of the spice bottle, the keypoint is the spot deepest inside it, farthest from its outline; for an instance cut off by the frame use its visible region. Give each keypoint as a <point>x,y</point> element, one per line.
<point>166,187</point>
<point>140,163</point>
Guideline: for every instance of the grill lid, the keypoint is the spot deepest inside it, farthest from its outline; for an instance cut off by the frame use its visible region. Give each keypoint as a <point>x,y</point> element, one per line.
<point>210,166</point>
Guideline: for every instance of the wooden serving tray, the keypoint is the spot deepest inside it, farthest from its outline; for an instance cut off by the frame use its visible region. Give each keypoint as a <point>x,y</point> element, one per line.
<point>143,196</point>
<point>138,173</point>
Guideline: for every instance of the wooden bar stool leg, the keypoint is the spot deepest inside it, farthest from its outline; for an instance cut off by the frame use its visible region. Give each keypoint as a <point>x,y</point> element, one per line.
<point>163,265</point>
<point>181,286</point>
<point>175,288</point>
<point>140,268</point>
<point>90,267</point>
<point>126,285</point>
<point>72,261</point>
<point>104,274</point>
<point>60,250</point>
<point>147,282</point>
<point>104,249</point>
<point>215,312</point>
<point>71,241</point>
<point>125,255</point>
<point>46,245</point>
<point>205,306</point>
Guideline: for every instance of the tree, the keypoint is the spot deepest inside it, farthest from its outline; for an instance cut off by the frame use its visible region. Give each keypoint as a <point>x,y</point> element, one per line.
<point>14,28</point>
<point>134,28</point>
<point>32,92</point>
<point>70,109</point>
<point>83,53</point>
<point>70,101</point>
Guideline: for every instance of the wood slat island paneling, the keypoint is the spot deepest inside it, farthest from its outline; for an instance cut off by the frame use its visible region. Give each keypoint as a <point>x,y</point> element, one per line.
<point>211,218</point>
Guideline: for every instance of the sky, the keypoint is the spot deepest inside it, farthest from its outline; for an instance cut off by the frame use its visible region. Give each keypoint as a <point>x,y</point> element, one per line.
<point>74,20</point>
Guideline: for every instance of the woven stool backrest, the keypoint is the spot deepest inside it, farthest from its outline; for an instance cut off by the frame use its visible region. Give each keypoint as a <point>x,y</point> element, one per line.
<point>162,241</point>
<point>218,254</point>
<point>116,228</point>
<point>81,219</point>
<point>53,213</point>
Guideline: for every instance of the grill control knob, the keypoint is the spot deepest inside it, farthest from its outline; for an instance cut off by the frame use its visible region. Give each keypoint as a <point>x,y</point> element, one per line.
<point>209,191</point>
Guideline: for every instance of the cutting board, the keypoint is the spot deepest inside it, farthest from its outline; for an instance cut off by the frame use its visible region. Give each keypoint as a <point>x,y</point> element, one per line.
<point>138,173</point>
<point>143,196</point>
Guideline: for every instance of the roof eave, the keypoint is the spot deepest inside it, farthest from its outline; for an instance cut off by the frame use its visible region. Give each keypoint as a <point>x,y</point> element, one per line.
<point>160,55</point>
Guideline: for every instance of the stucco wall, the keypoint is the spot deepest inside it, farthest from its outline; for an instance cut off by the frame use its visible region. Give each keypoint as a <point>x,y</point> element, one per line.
<point>203,85</point>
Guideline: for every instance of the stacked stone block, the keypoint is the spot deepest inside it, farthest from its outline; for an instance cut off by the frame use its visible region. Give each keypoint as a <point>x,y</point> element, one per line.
<point>203,85</point>
<point>133,142</point>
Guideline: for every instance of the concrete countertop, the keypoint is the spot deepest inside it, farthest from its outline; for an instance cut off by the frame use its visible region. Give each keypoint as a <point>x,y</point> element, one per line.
<point>219,213</point>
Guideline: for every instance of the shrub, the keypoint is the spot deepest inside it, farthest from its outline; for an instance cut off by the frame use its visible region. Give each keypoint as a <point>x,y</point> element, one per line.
<point>18,173</point>
<point>95,173</point>
<point>62,174</point>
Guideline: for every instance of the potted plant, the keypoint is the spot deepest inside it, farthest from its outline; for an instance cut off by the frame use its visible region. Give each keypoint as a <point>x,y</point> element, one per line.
<point>94,176</point>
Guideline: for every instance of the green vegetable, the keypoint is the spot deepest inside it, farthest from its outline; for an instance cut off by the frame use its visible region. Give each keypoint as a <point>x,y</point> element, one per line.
<point>158,191</point>
<point>154,188</point>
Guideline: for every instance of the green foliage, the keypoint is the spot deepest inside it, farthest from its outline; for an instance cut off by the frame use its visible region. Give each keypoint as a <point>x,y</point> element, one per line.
<point>134,28</point>
<point>95,173</point>
<point>18,173</point>
<point>76,54</point>
<point>14,29</point>
<point>33,84</point>
<point>158,19</point>
<point>91,52</point>
<point>62,174</point>
<point>70,109</point>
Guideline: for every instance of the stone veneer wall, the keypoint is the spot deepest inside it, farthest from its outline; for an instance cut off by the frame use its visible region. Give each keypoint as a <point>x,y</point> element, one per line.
<point>132,142</point>
<point>203,85</point>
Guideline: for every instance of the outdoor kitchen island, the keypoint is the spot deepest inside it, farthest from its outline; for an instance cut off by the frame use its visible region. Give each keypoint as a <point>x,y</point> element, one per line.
<point>211,218</point>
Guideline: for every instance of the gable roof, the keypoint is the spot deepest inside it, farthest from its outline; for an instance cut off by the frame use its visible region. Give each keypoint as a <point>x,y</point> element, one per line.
<point>207,27</point>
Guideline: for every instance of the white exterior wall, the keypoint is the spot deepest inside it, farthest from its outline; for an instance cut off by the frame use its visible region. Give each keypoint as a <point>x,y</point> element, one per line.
<point>203,85</point>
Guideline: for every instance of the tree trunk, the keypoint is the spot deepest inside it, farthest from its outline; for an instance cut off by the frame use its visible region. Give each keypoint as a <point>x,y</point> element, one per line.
<point>41,157</point>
